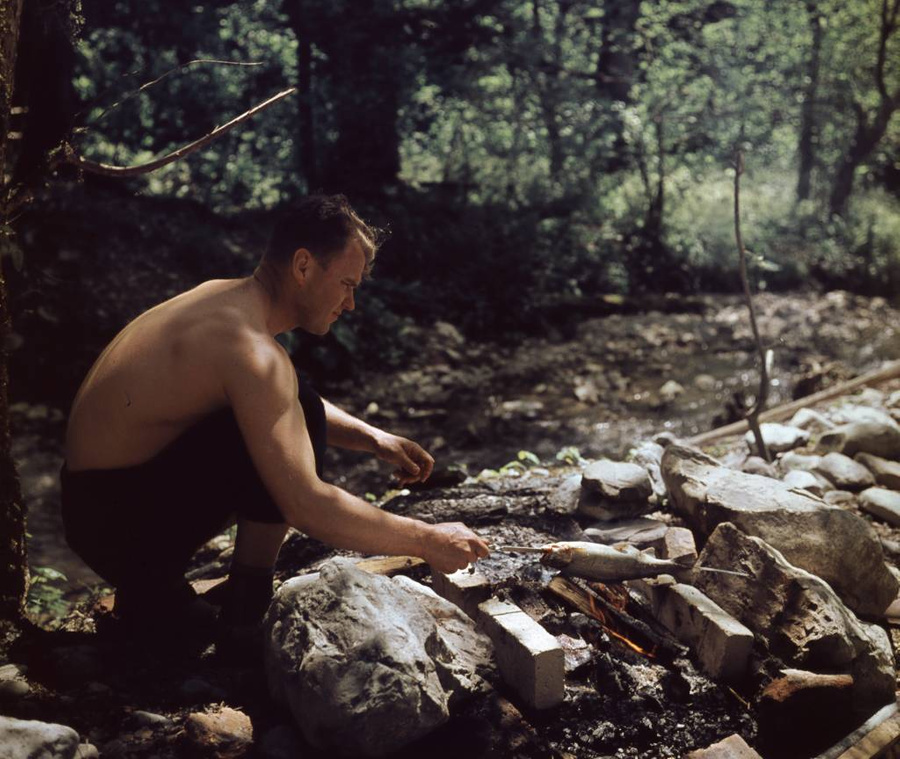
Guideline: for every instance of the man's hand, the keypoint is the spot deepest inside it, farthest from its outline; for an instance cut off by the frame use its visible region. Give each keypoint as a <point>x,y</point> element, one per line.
<point>450,546</point>
<point>414,463</point>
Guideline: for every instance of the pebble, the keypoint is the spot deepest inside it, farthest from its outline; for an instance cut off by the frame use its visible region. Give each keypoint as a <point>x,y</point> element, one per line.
<point>778,437</point>
<point>757,465</point>
<point>881,503</point>
<point>227,733</point>
<point>793,460</point>
<point>887,472</point>
<point>87,751</point>
<point>705,382</point>
<point>844,473</point>
<point>12,672</point>
<point>14,689</point>
<point>798,478</point>
<point>149,719</point>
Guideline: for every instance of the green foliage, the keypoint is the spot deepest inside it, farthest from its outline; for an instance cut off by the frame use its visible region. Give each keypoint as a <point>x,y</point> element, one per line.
<point>45,596</point>
<point>520,151</point>
<point>571,456</point>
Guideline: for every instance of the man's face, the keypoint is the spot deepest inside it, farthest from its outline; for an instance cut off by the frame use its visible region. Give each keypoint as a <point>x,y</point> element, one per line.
<point>329,290</point>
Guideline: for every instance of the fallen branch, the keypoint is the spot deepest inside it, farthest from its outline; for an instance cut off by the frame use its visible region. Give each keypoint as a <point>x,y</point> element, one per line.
<point>68,156</point>
<point>765,357</point>
<point>647,641</point>
<point>787,410</point>
<point>147,85</point>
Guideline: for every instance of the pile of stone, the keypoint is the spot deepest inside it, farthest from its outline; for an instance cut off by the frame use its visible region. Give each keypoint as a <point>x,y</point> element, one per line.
<point>798,622</point>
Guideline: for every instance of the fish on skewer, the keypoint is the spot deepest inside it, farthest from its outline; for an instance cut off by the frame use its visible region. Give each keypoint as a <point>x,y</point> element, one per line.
<point>595,561</point>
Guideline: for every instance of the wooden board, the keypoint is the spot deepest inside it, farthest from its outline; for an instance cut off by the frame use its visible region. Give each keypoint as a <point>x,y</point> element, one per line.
<point>878,737</point>
<point>780,413</point>
<point>389,565</point>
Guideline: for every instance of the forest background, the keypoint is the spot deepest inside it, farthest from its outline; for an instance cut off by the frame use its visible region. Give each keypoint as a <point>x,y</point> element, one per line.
<point>526,156</point>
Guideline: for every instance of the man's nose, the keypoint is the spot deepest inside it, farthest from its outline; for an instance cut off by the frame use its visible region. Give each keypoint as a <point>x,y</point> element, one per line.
<point>349,302</point>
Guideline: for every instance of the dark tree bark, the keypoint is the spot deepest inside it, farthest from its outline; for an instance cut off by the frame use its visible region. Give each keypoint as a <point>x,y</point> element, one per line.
<point>869,130</point>
<point>808,128</point>
<point>13,560</point>
<point>44,86</point>
<point>617,63</point>
<point>547,86</point>
<point>302,19</point>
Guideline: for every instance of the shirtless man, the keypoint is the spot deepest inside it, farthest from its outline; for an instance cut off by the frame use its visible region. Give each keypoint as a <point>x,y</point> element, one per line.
<point>194,416</point>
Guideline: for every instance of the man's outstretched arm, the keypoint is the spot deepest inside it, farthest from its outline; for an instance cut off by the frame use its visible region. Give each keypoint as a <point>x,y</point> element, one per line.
<point>262,389</point>
<point>414,463</point>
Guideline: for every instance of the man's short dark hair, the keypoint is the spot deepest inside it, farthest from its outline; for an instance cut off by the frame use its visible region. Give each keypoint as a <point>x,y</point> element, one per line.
<point>324,225</point>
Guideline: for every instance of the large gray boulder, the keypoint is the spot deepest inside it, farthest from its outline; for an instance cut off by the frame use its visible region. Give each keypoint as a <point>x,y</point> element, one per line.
<point>831,542</point>
<point>367,664</point>
<point>880,438</point>
<point>801,619</point>
<point>28,739</point>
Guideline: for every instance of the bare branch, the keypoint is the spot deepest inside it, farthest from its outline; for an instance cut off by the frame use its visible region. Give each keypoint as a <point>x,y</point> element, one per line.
<point>69,156</point>
<point>765,358</point>
<point>148,85</point>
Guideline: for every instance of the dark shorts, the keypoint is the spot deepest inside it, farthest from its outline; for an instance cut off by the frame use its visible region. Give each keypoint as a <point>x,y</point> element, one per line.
<point>140,525</point>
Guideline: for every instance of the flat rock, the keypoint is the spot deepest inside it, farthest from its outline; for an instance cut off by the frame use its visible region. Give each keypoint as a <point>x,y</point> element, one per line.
<point>878,438</point>
<point>225,733</point>
<point>617,480</point>
<point>615,490</point>
<point>804,623</point>
<point>801,480</point>
<point>881,503</point>
<point>638,531</point>
<point>30,739</point>
<point>367,664</point>
<point>792,460</point>
<point>778,437</point>
<point>844,473</point>
<point>886,472</point>
<point>833,543</point>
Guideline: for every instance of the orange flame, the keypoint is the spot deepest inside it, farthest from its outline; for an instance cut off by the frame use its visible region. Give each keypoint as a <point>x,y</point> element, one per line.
<point>598,614</point>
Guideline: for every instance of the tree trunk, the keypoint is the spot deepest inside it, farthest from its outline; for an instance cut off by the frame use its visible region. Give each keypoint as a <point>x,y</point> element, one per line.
<point>617,62</point>
<point>307,152</point>
<point>13,564</point>
<point>616,72</point>
<point>865,140</point>
<point>808,130</point>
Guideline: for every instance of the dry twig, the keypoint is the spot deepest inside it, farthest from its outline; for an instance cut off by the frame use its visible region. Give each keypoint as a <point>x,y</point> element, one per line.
<point>765,357</point>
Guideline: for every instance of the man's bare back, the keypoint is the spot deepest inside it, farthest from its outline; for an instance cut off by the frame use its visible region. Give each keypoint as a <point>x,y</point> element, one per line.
<point>208,359</point>
<point>161,374</point>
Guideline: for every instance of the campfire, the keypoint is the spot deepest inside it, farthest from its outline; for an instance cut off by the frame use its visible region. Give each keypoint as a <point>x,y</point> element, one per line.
<point>774,635</point>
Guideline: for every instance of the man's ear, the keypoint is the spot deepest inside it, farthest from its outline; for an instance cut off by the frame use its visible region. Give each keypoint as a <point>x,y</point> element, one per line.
<point>300,263</point>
